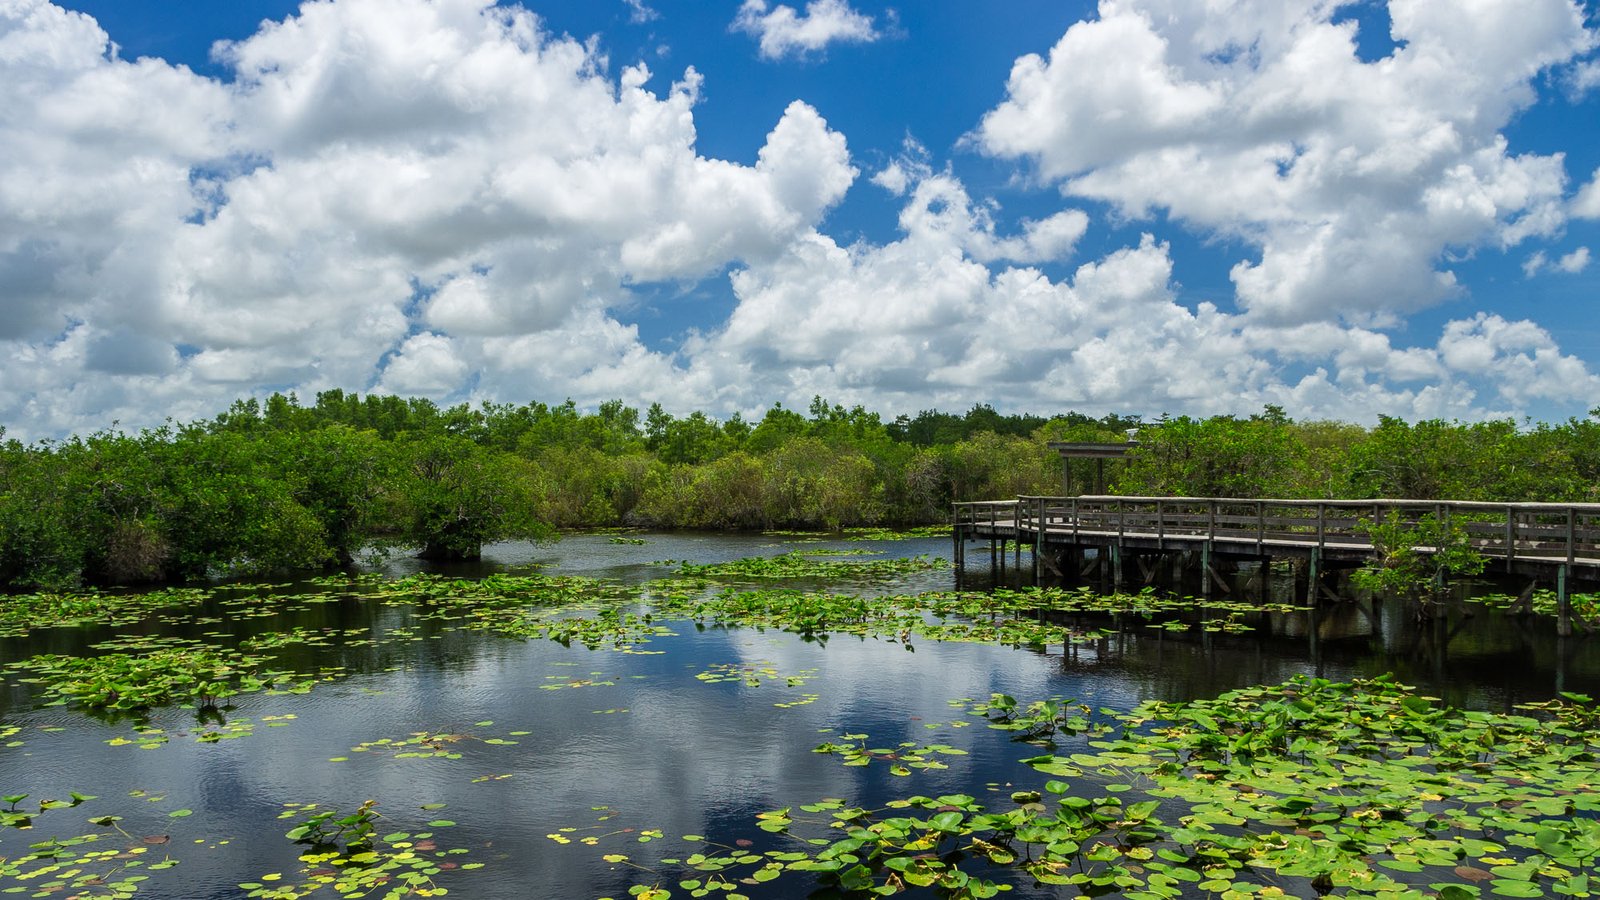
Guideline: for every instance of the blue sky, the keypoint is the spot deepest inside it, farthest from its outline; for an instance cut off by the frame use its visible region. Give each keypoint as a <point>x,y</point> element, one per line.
<point>1141,206</point>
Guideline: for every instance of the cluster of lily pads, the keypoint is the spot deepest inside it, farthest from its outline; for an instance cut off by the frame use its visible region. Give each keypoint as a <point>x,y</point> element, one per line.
<point>77,863</point>
<point>897,534</point>
<point>1309,788</point>
<point>799,565</point>
<point>134,675</point>
<point>346,853</point>
<point>429,744</point>
<point>752,674</point>
<point>901,758</point>
<point>1031,617</point>
<point>594,613</point>
<point>869,533</point>
<point>1543,601</point>
<point>161,671</point>
<point>11,817</point>
<point>22,613</point>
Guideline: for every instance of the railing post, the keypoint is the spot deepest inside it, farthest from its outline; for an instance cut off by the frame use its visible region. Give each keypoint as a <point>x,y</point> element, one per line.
<point>1161,524</point>
<point>1511,535</point>
<point>1572,536</point>
<point>1261,526</point>
<point>994,520</point>
<point>1039,523</point>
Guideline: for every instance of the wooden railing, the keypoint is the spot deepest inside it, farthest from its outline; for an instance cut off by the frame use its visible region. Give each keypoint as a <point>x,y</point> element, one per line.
<point>1546,533</point>
<point>991,513</point>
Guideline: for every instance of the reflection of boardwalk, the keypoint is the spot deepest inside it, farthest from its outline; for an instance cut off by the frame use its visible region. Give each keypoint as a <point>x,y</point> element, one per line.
<point>1552,541</point>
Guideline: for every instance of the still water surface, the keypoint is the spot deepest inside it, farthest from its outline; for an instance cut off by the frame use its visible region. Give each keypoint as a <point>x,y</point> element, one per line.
<point>615,745</point>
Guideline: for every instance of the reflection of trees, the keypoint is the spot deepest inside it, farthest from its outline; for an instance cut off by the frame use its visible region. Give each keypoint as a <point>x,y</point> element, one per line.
<point>1479,661</point>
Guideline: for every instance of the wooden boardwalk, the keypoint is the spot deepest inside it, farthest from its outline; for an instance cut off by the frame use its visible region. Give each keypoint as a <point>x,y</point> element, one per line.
<point>1557,542</point>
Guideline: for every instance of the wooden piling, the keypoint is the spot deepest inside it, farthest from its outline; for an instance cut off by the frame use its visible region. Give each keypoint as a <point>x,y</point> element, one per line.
<point>1563,604</point>
<point>1314,575</point>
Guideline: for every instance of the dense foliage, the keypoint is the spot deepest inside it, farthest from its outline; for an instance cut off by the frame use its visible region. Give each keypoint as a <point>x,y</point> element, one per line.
<point>1269,455</point>
<point>280,484</point>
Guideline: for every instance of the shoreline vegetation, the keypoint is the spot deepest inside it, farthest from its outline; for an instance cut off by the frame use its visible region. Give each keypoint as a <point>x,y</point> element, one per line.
<point>280,485</point>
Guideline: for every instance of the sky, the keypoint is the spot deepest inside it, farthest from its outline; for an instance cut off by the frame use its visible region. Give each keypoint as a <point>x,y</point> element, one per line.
<point>1349,210</point>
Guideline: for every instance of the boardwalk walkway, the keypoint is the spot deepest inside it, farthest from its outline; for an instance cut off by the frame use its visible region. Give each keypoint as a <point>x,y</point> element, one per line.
<point>1558,542</point>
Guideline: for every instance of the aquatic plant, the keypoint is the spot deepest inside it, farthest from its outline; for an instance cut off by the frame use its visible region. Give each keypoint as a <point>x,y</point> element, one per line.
<point>1030,617</point>
<point>902,757</point>
<point>752,674</point>
<point>22,613</point>
<point>802,612</point>
<point>1543,601</point>
<point>161,672</point>
<point>417,745</point>
<point>799,565</point>
<point>327,828</point>
<point>71,864</point>
<point>58,865</point>
<point>897,534</point>
<point>350,857</point>
<point>1361,789</point>
<point>1415,560</point>
<point>11,817</point>
<point>1040,721</point>
<point>498,590</point>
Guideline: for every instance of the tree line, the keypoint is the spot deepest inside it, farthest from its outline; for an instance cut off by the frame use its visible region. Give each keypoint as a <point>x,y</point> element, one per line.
<point>280,484</point>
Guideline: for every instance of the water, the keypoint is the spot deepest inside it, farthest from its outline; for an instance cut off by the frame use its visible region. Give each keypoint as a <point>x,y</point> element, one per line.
<point>612,746</point>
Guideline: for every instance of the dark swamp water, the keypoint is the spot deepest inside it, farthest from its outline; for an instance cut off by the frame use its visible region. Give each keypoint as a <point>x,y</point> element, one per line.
<point>558,757</point>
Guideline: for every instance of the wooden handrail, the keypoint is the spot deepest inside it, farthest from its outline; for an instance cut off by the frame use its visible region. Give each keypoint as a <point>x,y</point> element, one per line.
<point>1486,505</point>
<point>1546,533</point>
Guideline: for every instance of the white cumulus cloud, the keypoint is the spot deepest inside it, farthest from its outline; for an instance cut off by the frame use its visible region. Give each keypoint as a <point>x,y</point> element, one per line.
<point>940,316</point>
<point>1586,205</point>
<point>379,168</point>
<point>426,364</point>
<point>781,31</point>
<point>1574,262</point>
<point>1570,263</point>
<point>639,12</point>
<point>1258,119</point>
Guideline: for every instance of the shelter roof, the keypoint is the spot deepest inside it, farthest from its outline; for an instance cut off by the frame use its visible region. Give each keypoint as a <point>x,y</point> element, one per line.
<point>1089,450</point>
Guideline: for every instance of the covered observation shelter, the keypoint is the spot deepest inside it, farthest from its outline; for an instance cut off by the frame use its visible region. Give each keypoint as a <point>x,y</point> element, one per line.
<point>1096,481</point>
